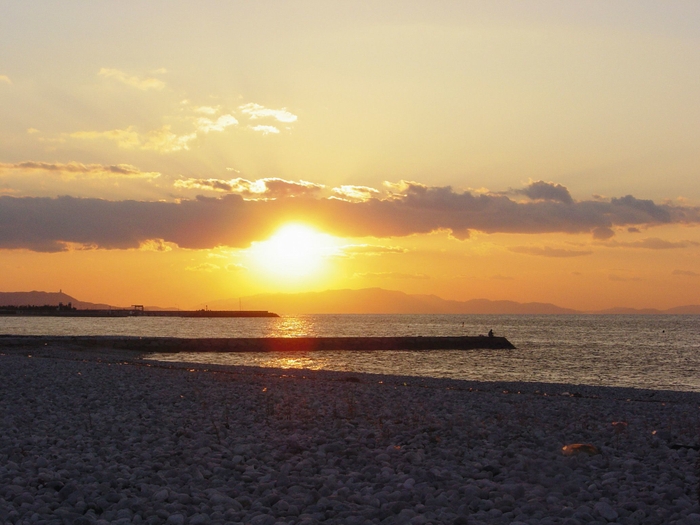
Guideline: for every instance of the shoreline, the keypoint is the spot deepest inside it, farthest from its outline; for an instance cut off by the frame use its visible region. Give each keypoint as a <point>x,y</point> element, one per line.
<point>110,437</point>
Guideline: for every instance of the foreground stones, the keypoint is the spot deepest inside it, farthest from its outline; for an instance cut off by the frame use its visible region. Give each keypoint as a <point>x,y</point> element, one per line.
<point>108,438</point>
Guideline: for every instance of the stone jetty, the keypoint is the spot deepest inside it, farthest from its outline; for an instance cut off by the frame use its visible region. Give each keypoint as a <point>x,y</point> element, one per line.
<point>261,344</point>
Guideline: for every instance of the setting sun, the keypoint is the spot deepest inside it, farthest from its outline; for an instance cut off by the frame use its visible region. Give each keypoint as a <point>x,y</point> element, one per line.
<point>294,251</point>
<point>467,150</point>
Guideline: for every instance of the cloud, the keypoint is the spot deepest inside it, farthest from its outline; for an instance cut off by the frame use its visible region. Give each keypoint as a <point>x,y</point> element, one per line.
<point>415,208</point>
<point>601,233</point>
<point>235,267</point>
<point>232,220</point>
<point>392,275</point>
<point>369,249</point>
<point>224,121</point>
<point>270,188</point>
<point>133,81</point>
<point>548,191</point>
<point>548,251</point>
<point>162,140</point>
<point>256,111</point>
<point>265,130</point>
<point>155,245</point>
<point>73,169</point>
<point>204,267</point>
<point>207,110</point>
<point>686,273</point>
<point>31,131</point>
<point>4,79</point>
<point>355,193</point>
<point>652,243</point>
<point>620,278</point>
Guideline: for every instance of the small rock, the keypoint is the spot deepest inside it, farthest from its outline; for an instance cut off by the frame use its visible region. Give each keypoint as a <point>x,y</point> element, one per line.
<point>175,519</point>
<point>605,511</point>
<point>263,519</point>
<point>161,495</point>
<point>199,519</point>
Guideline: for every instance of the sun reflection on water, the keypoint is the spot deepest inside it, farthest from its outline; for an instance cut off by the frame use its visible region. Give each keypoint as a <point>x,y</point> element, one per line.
<point>291,327</point>
<point>294,361</point>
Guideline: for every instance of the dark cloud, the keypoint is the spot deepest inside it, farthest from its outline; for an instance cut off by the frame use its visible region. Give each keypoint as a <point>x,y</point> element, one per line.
<point>47,224</point>
<point>622,279</point>
<point>686,273</point>
<point>601,233</point>
<point>77,168</point>
<point>547,191</point>
<point>548,251</point>
<point>653,243</point>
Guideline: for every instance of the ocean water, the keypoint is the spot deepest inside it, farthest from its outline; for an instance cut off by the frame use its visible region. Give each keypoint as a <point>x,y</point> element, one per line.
<point>642,351</point>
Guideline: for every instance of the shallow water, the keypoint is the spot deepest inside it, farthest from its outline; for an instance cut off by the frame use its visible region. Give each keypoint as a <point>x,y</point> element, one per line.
<point>659,352</point>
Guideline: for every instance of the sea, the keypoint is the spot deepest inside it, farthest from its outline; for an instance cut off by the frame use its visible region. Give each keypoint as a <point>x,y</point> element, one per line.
<point>660,352</point>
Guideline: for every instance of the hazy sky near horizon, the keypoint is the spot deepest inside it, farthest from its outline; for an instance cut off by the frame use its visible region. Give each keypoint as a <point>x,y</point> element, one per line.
<point>534,151</point>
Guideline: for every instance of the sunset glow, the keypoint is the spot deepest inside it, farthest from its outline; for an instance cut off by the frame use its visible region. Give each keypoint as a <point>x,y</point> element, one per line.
<point>294,251</point>
<point>536,151</point>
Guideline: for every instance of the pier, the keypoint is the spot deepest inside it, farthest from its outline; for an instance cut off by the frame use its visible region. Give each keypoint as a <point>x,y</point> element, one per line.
<point>262,344</point>
<point>137,311</point>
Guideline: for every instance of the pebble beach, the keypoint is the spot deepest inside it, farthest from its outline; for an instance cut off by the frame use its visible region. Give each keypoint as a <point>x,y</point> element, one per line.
<point>102,436</point>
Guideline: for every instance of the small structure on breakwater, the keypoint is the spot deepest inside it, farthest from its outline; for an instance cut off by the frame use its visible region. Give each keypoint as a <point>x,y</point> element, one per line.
<point>136,310</point>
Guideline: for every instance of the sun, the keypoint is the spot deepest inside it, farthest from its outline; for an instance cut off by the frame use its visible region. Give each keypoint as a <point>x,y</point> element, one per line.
<point>294,251</point>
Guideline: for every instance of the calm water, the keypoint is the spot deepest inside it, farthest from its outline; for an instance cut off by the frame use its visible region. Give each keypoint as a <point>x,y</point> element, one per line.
<point>660,352</point>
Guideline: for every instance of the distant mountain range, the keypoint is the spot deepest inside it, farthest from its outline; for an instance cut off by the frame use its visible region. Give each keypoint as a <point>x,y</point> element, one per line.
<point>380,301</point>
<point>366,300</point>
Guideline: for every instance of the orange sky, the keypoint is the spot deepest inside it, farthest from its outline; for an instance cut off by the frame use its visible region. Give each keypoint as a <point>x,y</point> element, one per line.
<point>531,151</point>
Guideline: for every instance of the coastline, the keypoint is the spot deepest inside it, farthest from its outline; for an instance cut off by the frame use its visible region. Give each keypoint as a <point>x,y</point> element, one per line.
<point>104,435</point>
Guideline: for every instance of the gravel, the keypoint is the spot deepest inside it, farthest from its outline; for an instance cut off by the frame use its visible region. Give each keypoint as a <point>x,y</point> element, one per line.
<point>106,437</point>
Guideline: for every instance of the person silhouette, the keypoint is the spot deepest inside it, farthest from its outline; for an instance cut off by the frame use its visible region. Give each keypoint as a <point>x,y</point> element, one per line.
<point>490,333</point>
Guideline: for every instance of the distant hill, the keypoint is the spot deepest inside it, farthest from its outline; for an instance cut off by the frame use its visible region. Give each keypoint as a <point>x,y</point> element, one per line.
<point>379,301</point>
<point>678,310</point>
<point>53,298</point>
<point>46,298</point>
<point>689,309</point>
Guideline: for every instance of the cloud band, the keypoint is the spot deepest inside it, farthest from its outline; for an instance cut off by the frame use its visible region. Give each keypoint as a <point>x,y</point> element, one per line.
<point>51,224</point>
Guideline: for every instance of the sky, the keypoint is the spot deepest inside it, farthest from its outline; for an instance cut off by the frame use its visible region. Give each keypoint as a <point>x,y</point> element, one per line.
<point>172,153</point>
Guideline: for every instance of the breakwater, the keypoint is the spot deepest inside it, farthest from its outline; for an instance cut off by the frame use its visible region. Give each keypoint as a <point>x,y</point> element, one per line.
<point>117,312</point>
<point>261,344</point>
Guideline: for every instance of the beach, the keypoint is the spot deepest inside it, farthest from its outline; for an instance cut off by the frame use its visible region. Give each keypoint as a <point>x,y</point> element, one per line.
<point>105,436</point>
